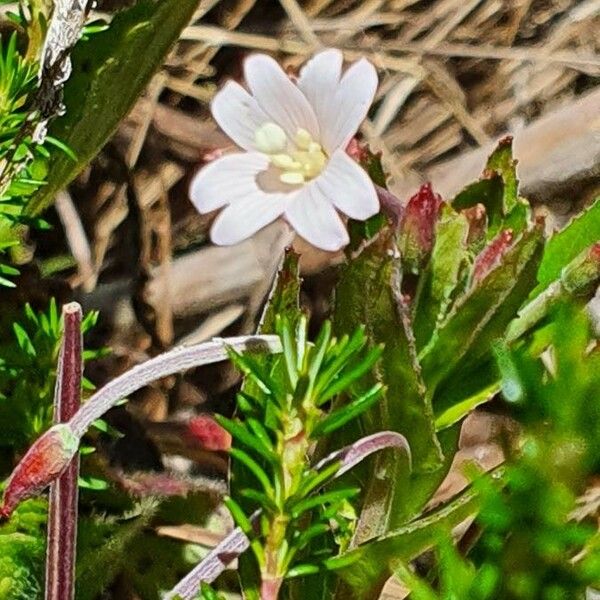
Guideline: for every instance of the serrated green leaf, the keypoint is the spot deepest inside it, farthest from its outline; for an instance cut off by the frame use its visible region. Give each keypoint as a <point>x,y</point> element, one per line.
<point>368,292</point>
<point>366,568</point>
<point>501,161</point>
<point>568,243</point>
<point>483,313</point>
<point>109,73</point>
<point>438,284</point>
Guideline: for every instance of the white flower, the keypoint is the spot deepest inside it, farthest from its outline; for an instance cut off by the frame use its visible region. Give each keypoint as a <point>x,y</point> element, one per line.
<point>293,164</point>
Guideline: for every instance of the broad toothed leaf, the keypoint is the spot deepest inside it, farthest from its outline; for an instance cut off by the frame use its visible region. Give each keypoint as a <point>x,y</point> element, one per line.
<point>570,241</point>
<point>368,292</point>
<point>483,313</point>
<point>438,285</point>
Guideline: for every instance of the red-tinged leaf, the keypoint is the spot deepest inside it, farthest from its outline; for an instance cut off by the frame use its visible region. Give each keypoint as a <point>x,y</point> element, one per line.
<point>491,256</point>
<point>418,226</point>
<point>62,509</point>
<point>205,432</point>
<point>44,462</point>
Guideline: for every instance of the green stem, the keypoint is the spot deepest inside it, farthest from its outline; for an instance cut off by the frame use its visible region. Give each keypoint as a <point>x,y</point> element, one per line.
<point>293,448</point>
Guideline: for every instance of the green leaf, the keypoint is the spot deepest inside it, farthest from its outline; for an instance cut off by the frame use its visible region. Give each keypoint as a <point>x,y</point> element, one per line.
<point>368,292</point>
<point>110,71</point>
<point>568,243</point>
<point>501,161</point>
<point>366,568</point>
<point>457,411</point>
<point>341,416</point>
<point>438,284</point>
<point>483,313</point>
<point>498,191</point>
<point>335,496</point>
<point>241,434</point>
<point>254,468</point>
<point>22,549</point>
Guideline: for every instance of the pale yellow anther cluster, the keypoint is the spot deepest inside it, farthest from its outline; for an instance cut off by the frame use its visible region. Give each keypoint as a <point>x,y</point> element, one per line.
<point>299,161</point>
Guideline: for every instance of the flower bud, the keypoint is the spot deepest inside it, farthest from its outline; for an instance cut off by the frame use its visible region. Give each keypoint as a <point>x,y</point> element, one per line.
<point>204,432</point>
<point>417,228</point>
<point>44,462</point>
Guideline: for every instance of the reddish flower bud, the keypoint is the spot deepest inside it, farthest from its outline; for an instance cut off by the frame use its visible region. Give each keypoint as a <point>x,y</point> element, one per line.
<point>359,152</point>
<point>417,228</point>
<point>204,432</point>
<point>44,462</point>
<point>491,255</point>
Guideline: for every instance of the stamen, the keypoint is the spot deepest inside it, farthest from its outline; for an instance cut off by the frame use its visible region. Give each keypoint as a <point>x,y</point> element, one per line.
<point>285,162</point>
<point>296,165</point>
<point>292,177</point>
<point>303,139</point>
<point>270,138</point>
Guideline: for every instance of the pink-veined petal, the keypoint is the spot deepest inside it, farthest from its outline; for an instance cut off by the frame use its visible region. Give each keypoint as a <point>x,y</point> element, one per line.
<point>245,217</point>
<point>316,220</point>
<point>348,187</point>
<point>278,97</point>
<point>352,100</point>
<point>238,114</point>
<point>319,80</point>
<point>227,180</point>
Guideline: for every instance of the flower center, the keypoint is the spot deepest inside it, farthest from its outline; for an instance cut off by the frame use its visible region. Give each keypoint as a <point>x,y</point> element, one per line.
<point>299,160</point>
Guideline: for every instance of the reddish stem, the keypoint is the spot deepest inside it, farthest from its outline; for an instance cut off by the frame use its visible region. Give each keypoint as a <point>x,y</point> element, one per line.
<point>62,512</point>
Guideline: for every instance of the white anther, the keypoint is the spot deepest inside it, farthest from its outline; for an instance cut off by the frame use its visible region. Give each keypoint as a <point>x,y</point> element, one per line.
<point>303,139</point>
<point>270,138</point>
<point>292,178</point>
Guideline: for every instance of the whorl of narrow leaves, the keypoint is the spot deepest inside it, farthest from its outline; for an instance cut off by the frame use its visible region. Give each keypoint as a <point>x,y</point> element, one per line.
<point>237,541</point>
<point>273,436</point>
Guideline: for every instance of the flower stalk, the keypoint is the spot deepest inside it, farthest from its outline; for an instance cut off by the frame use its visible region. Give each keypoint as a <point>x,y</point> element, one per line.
<point>52,452</point>
<point>62,510</point>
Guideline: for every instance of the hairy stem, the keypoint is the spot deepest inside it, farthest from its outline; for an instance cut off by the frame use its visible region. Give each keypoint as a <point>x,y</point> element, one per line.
<point>62,512</point>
